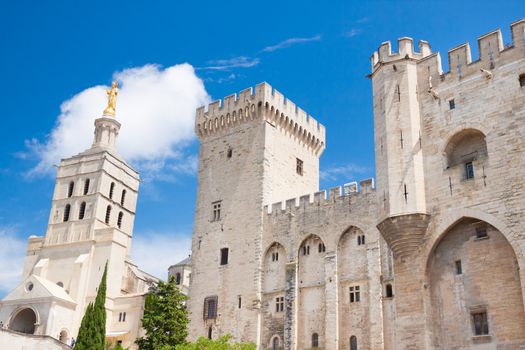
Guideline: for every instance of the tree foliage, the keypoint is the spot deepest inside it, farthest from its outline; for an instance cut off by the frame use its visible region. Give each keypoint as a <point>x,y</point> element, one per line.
<point>92,332</point>
<point>165,318</point>
<point>223,343</point>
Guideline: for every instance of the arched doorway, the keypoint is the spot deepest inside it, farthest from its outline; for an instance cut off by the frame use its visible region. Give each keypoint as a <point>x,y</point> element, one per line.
<point>24,321</point>
<point>63,336</point>
<point>475,292</point>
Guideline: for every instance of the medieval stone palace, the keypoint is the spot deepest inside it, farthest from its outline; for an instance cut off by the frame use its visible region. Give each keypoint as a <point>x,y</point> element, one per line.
<point>431,258</point>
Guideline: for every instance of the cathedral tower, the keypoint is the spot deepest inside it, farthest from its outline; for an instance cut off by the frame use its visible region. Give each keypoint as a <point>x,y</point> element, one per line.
<point>90,224</point>
<point>256,148</point>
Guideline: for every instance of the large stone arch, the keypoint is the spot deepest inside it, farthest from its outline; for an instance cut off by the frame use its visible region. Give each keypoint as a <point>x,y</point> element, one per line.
<point>467,275</point>
<point>274,266</point>
<point>24,320</point>
<point>352,278</point>
<point>311,308</point>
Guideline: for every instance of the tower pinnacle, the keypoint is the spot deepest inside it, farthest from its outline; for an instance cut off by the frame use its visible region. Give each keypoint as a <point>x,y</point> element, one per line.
<point>107,127</point>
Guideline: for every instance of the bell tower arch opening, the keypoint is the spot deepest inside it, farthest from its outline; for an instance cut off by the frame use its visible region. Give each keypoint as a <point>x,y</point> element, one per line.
<point>24,321</point>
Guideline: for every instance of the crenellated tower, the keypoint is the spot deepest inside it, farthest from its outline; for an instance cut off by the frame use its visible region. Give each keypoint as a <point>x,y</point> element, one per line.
<point>256,148</point>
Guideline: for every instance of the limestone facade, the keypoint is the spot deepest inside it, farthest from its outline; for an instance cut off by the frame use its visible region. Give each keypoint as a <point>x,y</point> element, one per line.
<point>90,224</point>
<point>434,258</point>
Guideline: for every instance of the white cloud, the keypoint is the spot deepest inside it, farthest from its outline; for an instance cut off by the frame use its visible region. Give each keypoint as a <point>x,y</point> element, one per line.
<point>155,252</point>
<point>352,32</point>
<point>229,63</point>
<point>290,42</point>
<point>12,252</point>
<point>347,172</point>
<point>156,107</point>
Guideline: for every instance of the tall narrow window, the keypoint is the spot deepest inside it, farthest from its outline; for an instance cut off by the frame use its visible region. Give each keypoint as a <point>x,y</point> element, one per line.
<point>82,211</point>
<point>480,323</point>
<point>119,219</point>
<point>353,342</point>
<point>275,343</point>
<point>210,332</point>
<point>239,301</point>
<point>452,104</point>
<point>321,248</point>
<point>279,304</point>
<point>299,167</point>
<point>70,189</point>
<point>224,256</point>
<point>108,214</point>
<point>459,268</point>
<point>216,211</point>
<point>315,340</point>
<point>111,189</point>
<point>355,294</point>
<point>67,210</point>
<point>522,80</point>
<point>123,197</point>
<point>469,170</point>
<point>86,186</point>
<point>177,278</point>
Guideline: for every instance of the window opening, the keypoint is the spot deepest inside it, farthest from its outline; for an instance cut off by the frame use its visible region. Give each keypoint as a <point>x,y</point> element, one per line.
<point>355,294</point>
<point>108,214</point>
<point>210,308</point>
<point>209,333</point>
<point>224,256</point>
<point>279,304</point>
<point>82,211</point>
<point>353,342</point>
<point>389,291</point>
<point>119,219</point>
<point>480,321</point>
<point>86,186</point>
<point>239,301</point>
<point>459,269</point>
<point>177,278</point>
<point>122,197</point>
<point>275,343</point>
<point>469,170</point>
<point>315,340</point>
<point>452,104</point>
<point>230,153</point>
<point>70,189</point>
<point>111,189</point>
<point>481,232</point>
<point>216,210</point>
<point>67,210</point>
<point>321,248</point>
<point>522,80</point>
<point>299,167</point>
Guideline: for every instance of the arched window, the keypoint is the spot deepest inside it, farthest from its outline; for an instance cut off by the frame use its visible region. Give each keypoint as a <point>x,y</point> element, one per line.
<point>82,210</point>
<point>108,214</point>
<point>86,186</point>
<point>67,210</point>
<point>209,333</point>
<point>465,147</point>
<point>177,278</point>
<point>389,292</point>
<point>63,336</point>
<point>119,220</point>
<point>111,189</point>
<point>122,197</point>
<point>321,248</point>
<point>353,342</point>
<point>315,340</point>
<point>60,284</point>
<point>70,189</point>
<point>275,343</point>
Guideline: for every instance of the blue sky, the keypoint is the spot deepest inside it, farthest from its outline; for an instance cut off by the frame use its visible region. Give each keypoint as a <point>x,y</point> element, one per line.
<point>316,53</point>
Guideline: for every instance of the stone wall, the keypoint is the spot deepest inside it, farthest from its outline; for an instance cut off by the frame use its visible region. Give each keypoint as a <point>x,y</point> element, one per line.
<point>19,341</point>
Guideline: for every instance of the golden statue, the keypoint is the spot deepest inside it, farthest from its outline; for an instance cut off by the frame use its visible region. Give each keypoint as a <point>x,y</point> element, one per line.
<point>112,99</point>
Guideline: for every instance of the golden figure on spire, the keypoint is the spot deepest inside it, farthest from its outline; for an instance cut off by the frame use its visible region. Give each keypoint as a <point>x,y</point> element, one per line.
<point>112,99</point>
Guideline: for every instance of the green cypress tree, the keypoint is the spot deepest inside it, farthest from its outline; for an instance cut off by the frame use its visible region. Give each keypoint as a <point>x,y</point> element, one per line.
<point>92,332</point>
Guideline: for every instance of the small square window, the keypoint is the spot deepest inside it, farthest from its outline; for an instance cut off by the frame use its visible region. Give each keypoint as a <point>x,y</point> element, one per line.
<point>230,153</point>
<point>469,170</point>
<point>481,232</point>
<point>299,167</point>
<point>452,104</point>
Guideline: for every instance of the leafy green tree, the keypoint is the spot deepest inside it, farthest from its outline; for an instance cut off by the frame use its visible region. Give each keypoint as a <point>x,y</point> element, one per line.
<point>92,332</point>
<point>165,318</point>
<point>223,343</point>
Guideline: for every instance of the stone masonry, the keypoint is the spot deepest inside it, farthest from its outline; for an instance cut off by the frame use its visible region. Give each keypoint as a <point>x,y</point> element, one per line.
<point>431,259</point>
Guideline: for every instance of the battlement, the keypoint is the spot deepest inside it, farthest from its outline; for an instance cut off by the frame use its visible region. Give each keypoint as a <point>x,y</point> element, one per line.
<point>333,195</point>
<point>490,47</point>
<point>266,103</point>
<point>405,51</point>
